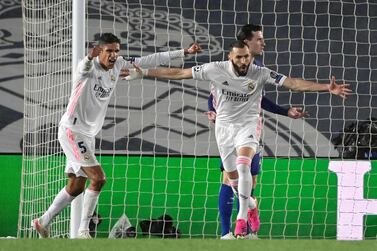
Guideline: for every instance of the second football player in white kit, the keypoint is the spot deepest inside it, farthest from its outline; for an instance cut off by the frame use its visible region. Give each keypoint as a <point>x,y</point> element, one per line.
<point>93,85</point>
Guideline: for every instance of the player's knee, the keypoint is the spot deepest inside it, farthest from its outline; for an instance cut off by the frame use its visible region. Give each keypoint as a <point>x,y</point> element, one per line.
<point>98,182</point>
<point>75,185</point>
<point>232,175</point>
<point>76,191</point>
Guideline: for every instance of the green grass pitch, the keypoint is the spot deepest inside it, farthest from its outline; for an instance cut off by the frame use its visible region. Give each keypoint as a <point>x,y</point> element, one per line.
<point>185,244</point>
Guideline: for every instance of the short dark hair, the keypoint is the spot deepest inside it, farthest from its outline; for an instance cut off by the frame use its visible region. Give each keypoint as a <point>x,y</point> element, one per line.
<point>237,44</point>
<point>246,31</point>
<point>108,38</point>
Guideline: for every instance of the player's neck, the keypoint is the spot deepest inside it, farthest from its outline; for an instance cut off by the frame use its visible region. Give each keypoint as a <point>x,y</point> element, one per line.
<point>252,58</point>
<point>104,67</point>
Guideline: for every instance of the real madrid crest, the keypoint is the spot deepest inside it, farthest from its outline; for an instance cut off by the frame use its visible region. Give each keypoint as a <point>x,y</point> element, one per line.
<point>112,78</point>
<point>86,157</point>
<point>250,86</point>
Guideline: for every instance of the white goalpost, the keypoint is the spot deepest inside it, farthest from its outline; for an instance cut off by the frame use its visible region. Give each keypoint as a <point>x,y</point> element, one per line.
<point>157,147</point>
<point>78,53</point>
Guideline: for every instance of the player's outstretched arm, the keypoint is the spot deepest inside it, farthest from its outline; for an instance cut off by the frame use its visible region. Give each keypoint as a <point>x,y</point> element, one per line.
<point>297,84</point>
<point>161,58</point>
<point>193,49</point>
<point>164,73</point>
<point>340,90</point>
<point>170,73</point>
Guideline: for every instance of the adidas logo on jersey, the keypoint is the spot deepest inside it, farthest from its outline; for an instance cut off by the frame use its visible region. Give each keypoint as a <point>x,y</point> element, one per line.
<point>225,83</point>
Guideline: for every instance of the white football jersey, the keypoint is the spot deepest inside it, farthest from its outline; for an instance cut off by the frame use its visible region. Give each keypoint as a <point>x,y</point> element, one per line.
<point>93,87</point>
<point>238,98</point>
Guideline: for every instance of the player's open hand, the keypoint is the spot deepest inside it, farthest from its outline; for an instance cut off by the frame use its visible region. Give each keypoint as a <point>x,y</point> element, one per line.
<point>136,73</point>
<point>341,90</point>
<point>124,72</point>
<point>297,112</point>
<point>194,48</point>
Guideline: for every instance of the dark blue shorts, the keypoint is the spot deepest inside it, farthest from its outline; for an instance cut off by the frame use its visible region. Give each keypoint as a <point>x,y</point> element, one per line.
<point>255,165</point>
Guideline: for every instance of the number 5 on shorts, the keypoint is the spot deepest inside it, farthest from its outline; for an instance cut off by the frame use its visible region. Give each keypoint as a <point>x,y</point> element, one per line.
<point>82,146</point>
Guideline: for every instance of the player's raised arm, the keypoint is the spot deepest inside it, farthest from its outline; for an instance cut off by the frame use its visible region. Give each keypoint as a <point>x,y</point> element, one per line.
<point>297,84</point>
<point>86,65</point>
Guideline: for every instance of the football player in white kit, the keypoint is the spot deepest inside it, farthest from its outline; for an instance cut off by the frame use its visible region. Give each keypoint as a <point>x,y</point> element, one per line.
<point>94,83</point>
<point>239,85</point>
<point>252,35</point>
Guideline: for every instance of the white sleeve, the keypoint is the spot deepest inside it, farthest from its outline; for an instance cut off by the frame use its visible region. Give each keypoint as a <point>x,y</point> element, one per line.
<point>203,72</point>
<point>155,59</point>
<point>85,66</point>
<point>272,77</point>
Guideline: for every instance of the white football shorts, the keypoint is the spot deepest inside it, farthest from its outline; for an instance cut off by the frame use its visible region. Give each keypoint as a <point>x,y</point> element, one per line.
<point>79,150</point>
<point>231,137</point>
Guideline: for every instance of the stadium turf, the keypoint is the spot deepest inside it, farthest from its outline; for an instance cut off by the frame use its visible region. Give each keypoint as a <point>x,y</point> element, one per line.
<point>185,244</point>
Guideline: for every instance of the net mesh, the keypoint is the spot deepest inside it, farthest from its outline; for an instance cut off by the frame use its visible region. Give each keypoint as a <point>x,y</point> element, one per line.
<point>157,147</point>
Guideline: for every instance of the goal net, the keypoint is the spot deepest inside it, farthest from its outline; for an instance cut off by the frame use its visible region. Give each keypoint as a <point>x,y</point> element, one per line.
<point>157,147</point>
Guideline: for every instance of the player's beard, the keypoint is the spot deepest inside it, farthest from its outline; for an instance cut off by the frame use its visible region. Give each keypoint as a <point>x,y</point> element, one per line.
<point>241,71</point>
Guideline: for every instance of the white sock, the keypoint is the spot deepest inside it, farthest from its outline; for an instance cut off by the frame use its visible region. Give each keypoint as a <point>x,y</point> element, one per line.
<point>61,201</point>
<point>252,203</point>
<point>245,182</point>
<point>89,205</point>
